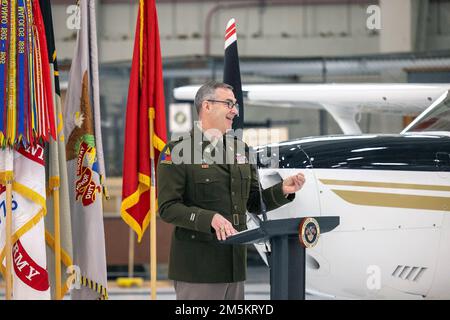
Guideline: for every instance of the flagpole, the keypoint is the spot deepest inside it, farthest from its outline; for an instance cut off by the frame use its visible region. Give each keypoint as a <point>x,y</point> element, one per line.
<point>131,254</point>
<point>55,185</point>
<point>56,220</point>
<point>8,244</point>
<point>10,136</point>
<point>151,116</point>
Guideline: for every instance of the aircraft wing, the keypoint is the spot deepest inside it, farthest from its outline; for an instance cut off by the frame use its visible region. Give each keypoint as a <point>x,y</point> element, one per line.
<point>342,101</point>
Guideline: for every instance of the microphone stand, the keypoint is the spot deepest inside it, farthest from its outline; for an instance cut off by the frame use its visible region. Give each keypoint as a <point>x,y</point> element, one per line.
<point>263,207</point>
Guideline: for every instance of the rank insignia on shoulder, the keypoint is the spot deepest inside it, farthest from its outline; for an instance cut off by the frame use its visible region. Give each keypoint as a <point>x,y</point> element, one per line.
<point>205,166</point>
<point>241,159</point>
<point>166,157</point>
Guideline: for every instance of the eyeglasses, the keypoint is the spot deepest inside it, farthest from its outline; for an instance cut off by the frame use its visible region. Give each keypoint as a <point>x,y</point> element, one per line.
<point>230,104</point>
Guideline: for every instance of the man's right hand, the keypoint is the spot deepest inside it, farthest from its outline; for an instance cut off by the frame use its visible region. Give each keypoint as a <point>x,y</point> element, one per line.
<point>223,227</point>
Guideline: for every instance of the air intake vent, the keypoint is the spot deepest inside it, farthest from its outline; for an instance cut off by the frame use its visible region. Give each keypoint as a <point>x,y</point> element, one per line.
<point>312,263</point>
<point>409,273</point>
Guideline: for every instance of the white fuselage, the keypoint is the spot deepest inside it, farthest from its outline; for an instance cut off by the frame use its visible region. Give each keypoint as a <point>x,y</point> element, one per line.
<point>393,241</point>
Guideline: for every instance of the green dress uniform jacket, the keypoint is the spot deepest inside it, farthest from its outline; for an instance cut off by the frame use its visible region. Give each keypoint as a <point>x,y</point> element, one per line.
<point>190,193</point>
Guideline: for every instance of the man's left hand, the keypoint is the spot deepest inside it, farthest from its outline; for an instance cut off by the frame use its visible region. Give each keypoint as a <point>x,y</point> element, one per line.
<point>293,183</point>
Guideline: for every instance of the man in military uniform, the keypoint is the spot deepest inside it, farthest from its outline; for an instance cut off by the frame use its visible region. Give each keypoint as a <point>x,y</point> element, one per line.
<point>205,185</point>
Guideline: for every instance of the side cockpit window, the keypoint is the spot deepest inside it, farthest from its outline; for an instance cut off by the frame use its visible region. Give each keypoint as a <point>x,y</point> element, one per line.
<point>287,157</point>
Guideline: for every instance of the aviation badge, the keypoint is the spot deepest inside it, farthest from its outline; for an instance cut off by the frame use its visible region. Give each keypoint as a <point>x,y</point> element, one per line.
<point>309,232</point>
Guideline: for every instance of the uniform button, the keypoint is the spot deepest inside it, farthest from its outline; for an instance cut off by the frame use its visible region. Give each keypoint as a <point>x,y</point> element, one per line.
<point>232,179</point>
<point>233,193</point>
<point>235,207</point>
<point>207,180</point>
<point>193,237</point>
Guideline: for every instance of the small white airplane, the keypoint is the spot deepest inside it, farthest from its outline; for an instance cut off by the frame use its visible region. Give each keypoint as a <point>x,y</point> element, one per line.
<point>343,101</point>
<point>391,192</point>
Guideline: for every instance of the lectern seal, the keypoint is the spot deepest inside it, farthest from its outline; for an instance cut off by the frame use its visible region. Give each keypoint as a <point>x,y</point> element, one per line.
<point>309,232</point>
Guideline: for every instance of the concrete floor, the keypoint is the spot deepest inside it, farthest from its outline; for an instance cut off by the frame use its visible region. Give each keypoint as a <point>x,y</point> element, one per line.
<point>256,288</point>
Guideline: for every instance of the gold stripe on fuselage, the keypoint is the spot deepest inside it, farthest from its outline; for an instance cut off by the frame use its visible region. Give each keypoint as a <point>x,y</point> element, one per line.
<point>379,199</point>
<point>391,185</point>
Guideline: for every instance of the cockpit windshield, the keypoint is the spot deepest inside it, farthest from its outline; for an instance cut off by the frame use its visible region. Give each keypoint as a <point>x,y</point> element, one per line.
<point>436,118</point>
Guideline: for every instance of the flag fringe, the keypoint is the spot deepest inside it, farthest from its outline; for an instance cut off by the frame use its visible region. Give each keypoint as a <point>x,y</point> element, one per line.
<point>86,282</point>
<point>31,195</point>
<point>132,200</point>
<point>158,143</point>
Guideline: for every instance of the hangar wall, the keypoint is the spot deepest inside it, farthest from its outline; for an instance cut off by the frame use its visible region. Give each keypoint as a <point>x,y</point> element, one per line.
<point>283,28</point>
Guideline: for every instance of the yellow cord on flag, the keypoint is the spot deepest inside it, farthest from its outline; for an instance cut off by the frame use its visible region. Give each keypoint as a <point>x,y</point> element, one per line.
<point>141,40</point>
<point>12,72</point>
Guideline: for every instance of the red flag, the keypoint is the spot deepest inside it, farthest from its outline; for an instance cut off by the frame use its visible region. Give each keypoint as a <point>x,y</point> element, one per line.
<point>145,91</point>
